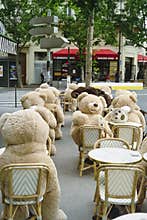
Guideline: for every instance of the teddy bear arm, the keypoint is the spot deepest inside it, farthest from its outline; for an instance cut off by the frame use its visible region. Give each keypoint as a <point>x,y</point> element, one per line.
<point>108,116</point>
<point>52,122</point>
<point>79,118</point>
<point>107,129</point>
<point>59,115</point>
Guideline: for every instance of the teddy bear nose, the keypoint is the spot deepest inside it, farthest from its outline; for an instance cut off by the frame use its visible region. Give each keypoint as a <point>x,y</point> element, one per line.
<point>95,105</point>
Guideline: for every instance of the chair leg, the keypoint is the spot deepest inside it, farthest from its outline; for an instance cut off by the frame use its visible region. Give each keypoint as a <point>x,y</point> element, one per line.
<point>95,195</point>
<point>10,212</point>
<point>104,217</point>
<point>82,164</point>
<point>133,208</point>
<point>39,216</point>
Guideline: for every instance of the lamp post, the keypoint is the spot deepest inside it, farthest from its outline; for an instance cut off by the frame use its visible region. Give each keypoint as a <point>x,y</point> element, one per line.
<point>119,56</point>
<point>120,8</point>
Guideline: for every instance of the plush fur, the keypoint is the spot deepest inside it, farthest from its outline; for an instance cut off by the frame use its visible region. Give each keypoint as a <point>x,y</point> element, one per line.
<point>68,98</point>
<point>90,112</point>
<point>92,90</point>
<point>130,100</point>
<point>107,90</point>
<point>37,100</point>
<point>118,115</point>
<point>52,97</point>
<point>25,134</point>
<point>134,115</point>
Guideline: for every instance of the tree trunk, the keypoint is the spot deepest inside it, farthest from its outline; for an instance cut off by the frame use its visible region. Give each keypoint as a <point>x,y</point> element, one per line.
<point>90,32</point>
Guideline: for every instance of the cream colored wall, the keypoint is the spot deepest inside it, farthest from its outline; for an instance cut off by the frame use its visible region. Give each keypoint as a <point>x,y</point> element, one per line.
<point>30,59</point>
<point>126,51</point>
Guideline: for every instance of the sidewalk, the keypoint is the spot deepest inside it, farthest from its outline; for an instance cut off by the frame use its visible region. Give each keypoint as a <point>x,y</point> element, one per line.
<point>76,192</point>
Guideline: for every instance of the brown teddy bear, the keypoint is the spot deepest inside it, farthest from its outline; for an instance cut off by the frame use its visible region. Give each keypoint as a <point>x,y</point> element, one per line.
<point>35,99</point>
<point>25,134</point>
<point>91,90</point>
<point>90,112</point>
<point>52,99</point>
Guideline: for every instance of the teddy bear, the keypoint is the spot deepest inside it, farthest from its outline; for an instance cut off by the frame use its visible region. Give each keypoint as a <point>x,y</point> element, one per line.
<point>25,134</point>
<point>52,97</point>
<point>118,115</point>
<point>37,100</point>
<point>90,112</point>
<point>69,99</point>
<point>130,100</point>
<point>125,92</point>
<point>56,93</point>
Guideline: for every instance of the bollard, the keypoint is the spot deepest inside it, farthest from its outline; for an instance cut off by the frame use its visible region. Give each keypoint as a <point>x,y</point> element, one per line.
<point>15,96</point>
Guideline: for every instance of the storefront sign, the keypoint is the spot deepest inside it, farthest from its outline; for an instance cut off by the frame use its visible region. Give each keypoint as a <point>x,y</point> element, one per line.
<point>7,46</point>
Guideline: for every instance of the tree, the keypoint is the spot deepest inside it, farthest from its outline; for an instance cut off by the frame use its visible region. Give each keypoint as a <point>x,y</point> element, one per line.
<point>16,15</point>
<point>134,26</point>
<point>91,25</point>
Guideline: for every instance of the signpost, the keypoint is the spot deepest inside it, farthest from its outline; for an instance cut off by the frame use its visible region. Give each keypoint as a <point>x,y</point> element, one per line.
<point>47,28</point>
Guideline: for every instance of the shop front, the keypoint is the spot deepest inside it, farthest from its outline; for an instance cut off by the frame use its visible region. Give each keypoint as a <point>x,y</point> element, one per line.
<point>66,62</point>
<point>8,75</point>
<point>142,66</point>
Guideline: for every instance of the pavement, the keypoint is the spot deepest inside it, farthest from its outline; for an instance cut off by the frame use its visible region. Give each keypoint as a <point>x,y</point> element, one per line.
<point>76,192</point>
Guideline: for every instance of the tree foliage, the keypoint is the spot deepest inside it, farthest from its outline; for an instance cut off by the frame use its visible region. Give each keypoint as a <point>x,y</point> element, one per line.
<point>16,16</point>
<point>134,22</point>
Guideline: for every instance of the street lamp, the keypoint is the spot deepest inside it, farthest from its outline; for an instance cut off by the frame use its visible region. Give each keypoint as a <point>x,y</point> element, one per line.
<point>119,10</point>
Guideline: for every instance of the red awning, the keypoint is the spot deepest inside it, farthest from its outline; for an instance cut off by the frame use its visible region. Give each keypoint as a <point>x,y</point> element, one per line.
<point>102,53</point>
<point>142,58</point>
<point>64,52</point>
<point>105,53</point>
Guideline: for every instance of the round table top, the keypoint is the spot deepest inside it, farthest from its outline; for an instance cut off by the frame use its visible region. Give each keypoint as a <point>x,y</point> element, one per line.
<point>115,155</point>
<point>126,123</point>
<point>145,156</point>
<point>132,216</point>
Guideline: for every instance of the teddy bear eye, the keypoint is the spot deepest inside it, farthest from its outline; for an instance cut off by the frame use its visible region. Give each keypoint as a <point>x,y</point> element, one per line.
<point>116,117</point>
<point>119,111</point>
<point>95,105</point>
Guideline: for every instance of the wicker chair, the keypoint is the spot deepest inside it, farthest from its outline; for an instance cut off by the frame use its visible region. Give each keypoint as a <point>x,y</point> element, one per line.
<point>89,135</point>
<point>117,187</point>
<point>131,132</point>
<point>111,143</point>
<point>23,185</point>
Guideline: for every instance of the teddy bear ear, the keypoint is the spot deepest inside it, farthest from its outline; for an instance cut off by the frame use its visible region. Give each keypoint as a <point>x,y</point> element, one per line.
<point>3,119</point>
<point>82,95</point>
<point>114,101</point>
<point>23,98</point>
<point>103,101</point>
<point>43,96</point>
<point>133,98</point>
<point>55,91</point>
<point>44,86</point>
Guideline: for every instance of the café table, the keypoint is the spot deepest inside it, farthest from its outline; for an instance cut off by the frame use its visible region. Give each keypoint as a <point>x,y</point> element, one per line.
<point>145,156</point>
<point>115,155</point>
<point>132,216</point>
<point>2,149</point>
